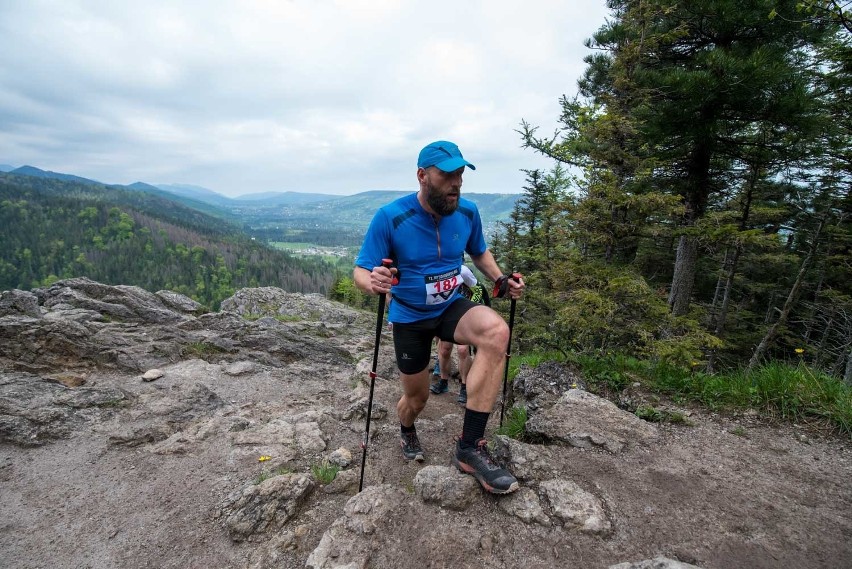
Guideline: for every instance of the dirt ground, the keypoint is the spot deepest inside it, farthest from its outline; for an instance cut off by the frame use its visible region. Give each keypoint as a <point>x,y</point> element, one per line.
<point>724,492</point>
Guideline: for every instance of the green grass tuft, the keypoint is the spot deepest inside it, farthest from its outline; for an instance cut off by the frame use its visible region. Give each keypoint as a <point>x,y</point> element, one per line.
<point>325,472</point>
<point>515,423</point>
<point>739,431</point>
<point>267,474</point>
<point>532,360</point>
<point>200,350</point>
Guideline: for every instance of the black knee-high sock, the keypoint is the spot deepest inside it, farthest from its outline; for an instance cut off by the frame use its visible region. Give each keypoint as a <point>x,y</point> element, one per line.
<point>474,427</point>
<point>404,429</point>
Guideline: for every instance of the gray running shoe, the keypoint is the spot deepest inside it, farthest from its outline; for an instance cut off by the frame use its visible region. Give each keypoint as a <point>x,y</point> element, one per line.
<point>411,448</point>
<point>477,461</point>
<point>440,386</point>
<point>462,398</point>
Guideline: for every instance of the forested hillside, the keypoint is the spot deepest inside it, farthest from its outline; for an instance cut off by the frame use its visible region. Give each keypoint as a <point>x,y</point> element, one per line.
<point>712,225</point>
<point>52,229</point>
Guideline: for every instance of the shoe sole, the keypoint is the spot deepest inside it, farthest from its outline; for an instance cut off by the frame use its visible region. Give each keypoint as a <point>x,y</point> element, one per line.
<point>438,391</point>
<point>466,469</point>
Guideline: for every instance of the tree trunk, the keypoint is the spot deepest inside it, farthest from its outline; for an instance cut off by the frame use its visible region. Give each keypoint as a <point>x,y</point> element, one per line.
<point>847,376</point>
<point>726,298</point>
<point>722,316</point>
<point>809,328</point>
<point>718,291</point>
<point>788,304</point>
<point>684,275</point>
<point>767,318</point>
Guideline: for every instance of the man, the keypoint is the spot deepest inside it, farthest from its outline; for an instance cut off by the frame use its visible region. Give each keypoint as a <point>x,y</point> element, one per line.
<point>426,235</point>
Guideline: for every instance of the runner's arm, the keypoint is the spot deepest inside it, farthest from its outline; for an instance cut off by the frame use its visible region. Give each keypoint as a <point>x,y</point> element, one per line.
<point>488,266</point>
<point>369,275</point>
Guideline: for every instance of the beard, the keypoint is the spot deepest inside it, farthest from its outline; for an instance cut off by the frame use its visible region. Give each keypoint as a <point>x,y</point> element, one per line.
<point>439,202</point>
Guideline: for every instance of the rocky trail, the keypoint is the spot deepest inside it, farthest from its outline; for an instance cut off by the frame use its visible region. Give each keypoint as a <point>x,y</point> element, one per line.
<point>138,431</point>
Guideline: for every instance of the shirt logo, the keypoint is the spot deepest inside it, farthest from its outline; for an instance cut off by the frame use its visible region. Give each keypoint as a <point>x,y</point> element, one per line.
<point>443,295</point>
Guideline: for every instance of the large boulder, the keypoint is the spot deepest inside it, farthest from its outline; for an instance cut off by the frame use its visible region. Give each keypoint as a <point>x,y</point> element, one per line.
<point>584,420</point>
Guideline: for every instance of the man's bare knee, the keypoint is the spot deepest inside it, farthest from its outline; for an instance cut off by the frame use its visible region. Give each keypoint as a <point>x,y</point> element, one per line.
<point>481,327</point>
<point>494,338</point>
<point>416,404</point>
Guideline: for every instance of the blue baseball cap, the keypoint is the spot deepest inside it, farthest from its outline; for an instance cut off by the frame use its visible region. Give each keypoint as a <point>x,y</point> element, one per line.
<point>443,155</point>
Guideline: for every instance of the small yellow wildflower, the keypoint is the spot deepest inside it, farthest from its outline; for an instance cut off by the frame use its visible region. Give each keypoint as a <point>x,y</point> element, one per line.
<point>799,351</point>
<point>694,364</point>
<point>264,458</point>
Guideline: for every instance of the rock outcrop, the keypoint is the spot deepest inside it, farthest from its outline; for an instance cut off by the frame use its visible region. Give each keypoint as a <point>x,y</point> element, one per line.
<point>265,506</point>
<point>583,420</point>
<point>151,432</point>
<point>79,323</point>
<point>35,410</point>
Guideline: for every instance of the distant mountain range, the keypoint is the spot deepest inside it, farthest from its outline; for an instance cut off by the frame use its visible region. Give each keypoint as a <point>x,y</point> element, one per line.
<point>289,216</point>
<point>57,226</point>
<point>269,198</point>
<point>38,173</point>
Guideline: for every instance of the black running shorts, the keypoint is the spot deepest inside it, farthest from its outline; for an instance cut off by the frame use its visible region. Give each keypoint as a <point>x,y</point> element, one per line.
<point>413,340</point>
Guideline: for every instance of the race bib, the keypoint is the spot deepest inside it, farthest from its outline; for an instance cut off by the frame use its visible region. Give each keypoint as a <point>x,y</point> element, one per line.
<point>440,288</point>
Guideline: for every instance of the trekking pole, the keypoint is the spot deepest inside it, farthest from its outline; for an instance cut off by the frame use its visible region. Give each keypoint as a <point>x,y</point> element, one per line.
<point>379,317</point>
<point>515,277</point>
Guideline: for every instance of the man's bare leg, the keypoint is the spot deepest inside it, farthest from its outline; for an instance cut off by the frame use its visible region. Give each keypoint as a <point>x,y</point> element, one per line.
<point>415,393</point>
<point>485,329</point>
<point>445,363</point>
<point>488,331</point>
<point>465,361</point>
<point>445,358</point>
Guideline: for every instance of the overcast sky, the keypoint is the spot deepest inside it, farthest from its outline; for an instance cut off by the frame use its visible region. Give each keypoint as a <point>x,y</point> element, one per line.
<point>302,95</point>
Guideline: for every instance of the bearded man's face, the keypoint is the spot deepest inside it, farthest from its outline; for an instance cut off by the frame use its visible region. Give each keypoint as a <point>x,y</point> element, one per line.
<point>443,190</point>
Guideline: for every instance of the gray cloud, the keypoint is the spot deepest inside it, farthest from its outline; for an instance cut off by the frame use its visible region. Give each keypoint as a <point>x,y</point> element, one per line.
<point>239,97</point>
